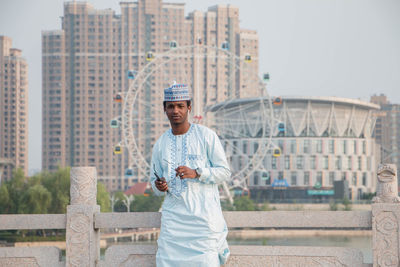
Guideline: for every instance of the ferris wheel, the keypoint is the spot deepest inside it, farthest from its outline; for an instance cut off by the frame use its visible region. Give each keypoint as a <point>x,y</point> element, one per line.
<point>220,82</point>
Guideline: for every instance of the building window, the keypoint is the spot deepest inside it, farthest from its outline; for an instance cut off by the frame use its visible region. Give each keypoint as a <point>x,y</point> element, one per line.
<point>293,146</point>
<point>349,163</point>
<point>326,162</point>
<point>313,164</point>
<point>267,177</point>
<point>300,162</point>
<point>364,179</point>
<point>255,147</point>
<point>354,180</point>
<point>331,178</point>
<point>364,147</point>
<point>331,146</point>
<point>355,146</point>
<point>280,175</point>
<point>343,176</point>
<point>344,146</point>
<point>306,146</point>
<point>287,162</point>
<point>319,178</point>
<point>293,177</point>
<point>245,147</point>
<point>255,178</point>
<point>359,163</point>
<point>273,163</point>
<point>306,178</point>
<point>319,146</point>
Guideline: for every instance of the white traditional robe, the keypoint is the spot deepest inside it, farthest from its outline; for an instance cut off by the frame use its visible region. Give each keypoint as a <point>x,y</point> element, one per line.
<point>193,230</point>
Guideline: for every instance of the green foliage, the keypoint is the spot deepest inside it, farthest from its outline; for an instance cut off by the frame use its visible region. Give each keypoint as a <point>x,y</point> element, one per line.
<point>264,207</point>
<point>333,205</point>
<point>103,198</point>
<point>16,187</point>
<point>58,184</point>
<point>227,206</point>
<point>146,203</point>
<point>243,203</point>
<point>37,200</point>
<point>368,196</point>
<point>4,199</point>
<point>347,204</point>
<point>119,205</point>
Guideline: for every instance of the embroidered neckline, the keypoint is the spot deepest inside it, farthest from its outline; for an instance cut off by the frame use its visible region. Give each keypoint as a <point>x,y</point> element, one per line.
<point>177,186</point>
<point>183,135</point>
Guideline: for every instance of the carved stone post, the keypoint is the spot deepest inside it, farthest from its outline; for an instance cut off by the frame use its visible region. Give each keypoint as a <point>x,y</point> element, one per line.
<point>386,218</point>
<point>82,239</point>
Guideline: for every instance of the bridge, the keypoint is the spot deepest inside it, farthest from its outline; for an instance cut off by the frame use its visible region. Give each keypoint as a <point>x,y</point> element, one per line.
<point>83,222</point>
<point>133,235</point>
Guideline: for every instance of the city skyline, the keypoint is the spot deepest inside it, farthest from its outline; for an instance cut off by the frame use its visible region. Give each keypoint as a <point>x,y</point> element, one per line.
<point>348,53</point>
<point>85,64</point>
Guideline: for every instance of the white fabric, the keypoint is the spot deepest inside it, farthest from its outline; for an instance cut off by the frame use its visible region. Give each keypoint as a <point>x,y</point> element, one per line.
<point>193,230</point>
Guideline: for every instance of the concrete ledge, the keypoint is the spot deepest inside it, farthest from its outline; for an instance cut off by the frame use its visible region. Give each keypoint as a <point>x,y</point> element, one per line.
<point>144,256</point>
<point>300,219</point>
<point>32,221</point>
<point>268,219</point>
<point>127,220</point>
<point>39,256</point>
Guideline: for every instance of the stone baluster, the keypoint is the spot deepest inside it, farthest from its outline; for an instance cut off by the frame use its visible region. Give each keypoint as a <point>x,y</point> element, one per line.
<point>386,218</point>
<point>81,237</point>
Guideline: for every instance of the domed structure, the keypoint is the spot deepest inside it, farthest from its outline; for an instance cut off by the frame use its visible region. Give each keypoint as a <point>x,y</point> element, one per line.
<point>322,140</point>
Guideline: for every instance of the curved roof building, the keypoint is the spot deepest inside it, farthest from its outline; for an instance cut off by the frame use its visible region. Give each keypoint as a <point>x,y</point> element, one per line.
<point>321,140</point>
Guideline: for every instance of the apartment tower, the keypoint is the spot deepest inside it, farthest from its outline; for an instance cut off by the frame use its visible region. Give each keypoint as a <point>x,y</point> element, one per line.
<point>13,110</point>
<point>86,63</point>
<point>387,129</point>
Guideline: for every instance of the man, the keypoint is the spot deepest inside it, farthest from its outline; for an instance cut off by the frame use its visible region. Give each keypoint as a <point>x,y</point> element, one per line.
<point>191,161</point>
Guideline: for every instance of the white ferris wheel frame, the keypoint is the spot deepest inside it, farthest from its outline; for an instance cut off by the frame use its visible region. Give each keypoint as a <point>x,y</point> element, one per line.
<point>129,99</point>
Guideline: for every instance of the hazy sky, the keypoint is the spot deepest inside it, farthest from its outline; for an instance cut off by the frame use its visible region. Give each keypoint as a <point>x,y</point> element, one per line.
<point>346,48</point>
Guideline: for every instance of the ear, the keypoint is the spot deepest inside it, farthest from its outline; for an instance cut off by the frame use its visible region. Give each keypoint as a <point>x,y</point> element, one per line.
<point>190,108</point>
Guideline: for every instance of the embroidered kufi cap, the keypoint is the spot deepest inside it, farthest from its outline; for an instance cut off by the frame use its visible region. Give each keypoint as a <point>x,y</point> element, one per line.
<point>176,92</point>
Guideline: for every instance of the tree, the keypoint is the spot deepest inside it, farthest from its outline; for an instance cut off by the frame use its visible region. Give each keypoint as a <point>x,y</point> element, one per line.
<point>4,199</point>
<point>347,204</point>
<point>16,187</point>
<point>36,200</point>
<point>243,203</point>
<point>146,203</point>
<point>103,198</point>
<point>119,205</point>
<point>58,184</point>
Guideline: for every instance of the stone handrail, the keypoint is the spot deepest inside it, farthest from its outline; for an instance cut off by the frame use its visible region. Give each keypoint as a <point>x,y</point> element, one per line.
<point>251,219</point>
<point>32,221</point>
<point>83,221</point>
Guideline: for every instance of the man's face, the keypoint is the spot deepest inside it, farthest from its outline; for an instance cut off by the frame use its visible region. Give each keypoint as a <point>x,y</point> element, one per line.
<point>177,112</point>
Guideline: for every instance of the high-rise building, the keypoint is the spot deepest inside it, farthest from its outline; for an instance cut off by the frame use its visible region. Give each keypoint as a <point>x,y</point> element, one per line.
<point>387,129</point>
<point>13,109</point>
<point>86,64</point>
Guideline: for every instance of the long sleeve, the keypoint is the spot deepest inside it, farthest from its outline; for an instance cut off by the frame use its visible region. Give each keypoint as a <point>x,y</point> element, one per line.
<point>218,171</point>
<point>155,166</point>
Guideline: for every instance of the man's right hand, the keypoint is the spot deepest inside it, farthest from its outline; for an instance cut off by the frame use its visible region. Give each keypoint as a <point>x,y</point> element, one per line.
<point>161,185</point>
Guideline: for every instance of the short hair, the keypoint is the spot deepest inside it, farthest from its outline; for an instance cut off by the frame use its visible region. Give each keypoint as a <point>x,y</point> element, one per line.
<point>188,102</point>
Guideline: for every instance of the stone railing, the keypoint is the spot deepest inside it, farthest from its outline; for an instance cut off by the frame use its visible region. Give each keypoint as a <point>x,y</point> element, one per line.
<point>83,222</point>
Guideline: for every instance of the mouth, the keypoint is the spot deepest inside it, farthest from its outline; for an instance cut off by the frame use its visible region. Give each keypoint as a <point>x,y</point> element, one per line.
<point>175,117</point>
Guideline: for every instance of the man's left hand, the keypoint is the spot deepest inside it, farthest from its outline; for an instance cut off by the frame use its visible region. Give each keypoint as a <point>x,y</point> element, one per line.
<point>185,172</point>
